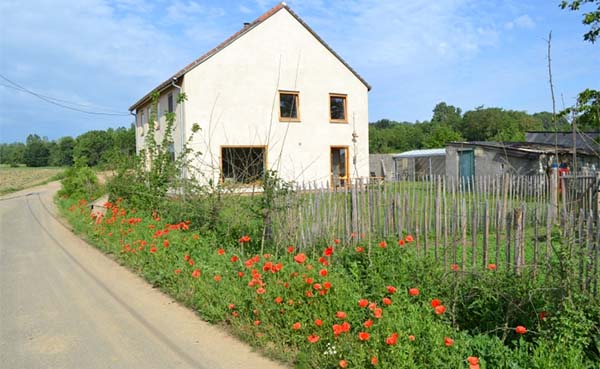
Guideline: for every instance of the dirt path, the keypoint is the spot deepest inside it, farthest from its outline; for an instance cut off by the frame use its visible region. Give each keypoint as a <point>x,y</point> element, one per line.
<point>63,304</point>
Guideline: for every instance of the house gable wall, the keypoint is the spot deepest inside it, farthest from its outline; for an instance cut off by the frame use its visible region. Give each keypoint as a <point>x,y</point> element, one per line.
<point>233,96</point>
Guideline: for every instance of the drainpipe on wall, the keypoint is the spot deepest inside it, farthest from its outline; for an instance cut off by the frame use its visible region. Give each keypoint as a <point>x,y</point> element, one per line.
<point>135,130</point>
<point>182,134</point>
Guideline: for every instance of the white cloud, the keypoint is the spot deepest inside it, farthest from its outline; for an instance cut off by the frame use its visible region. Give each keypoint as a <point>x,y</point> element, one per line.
<point>523,21</point>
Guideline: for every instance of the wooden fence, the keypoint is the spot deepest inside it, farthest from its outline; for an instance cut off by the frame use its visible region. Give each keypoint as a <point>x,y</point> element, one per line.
<point>507,220</point>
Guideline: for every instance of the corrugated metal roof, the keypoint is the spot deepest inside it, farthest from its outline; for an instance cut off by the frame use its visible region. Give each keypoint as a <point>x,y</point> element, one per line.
<point>421,153</point>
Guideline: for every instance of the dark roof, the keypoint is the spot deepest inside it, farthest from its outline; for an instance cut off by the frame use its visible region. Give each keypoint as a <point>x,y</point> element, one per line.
<point>235,36</point>
<point>523,147</point>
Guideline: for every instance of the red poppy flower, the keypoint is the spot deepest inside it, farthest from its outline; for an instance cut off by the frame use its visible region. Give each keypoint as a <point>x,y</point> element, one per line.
<point>166,243</point>
<point>326,285</point>
<point>245,239</point>
<point>323,272</point>
<point>387,301</point>
<point>300,258</point>
<point>401,242</point>
<point>191,262</point>
<point>235,314</point>
<point>391,289</point>
<point>308,280</point>
<point>413,292</point>
<point>313,338</point>
<point>196,273</point>
<point>448,341</point>
<point>296,326</point>
<point>440,309</point>
<point>328,251</point>
<point>290,249</point>
<point>409,238</point>
<point>261,291</point>
<point>217,278</point>
<point>491,266</point>
<point>337,241</point>
<point>221,252</point>
<point>177,271</point>
<point>377,313</point>
<point>317,286</point>
<point>343,364</point>
<point>473,362</point>
<point>392,339</point>
<point>318,322</point>
<point>374,360</point>
<point>411,337</point>
<point>363,303</point>
<point>153,250</point>
<point>340,315</point>
<point>368,324</point>
<point>234,259</point>
<point>308,293</point>
<point>257,322</point>
<point>520,329</point>
<point>435,303</point>
<point>231,306</point>
<point>360,249</point>
<point>240,274</point>
<point>363,336</point>
<point>278,300</point>
<point>345,327</point>
<point>455,267</point>
<point>372,306</point>
<point>383,244</point>
<point>543,315</point>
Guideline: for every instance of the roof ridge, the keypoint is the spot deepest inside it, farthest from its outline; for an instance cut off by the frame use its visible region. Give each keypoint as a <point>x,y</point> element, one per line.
<point>247,27</point>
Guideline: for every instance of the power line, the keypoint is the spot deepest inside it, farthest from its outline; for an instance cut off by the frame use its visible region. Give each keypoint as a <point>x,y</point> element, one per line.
<point>58,102</point>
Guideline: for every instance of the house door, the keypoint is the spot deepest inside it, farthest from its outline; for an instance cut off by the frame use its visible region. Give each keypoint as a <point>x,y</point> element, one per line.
<point>339,166</point>
<point>466,164</point>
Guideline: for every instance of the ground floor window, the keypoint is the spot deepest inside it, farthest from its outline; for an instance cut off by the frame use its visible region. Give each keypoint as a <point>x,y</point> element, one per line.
<point>243,164</point>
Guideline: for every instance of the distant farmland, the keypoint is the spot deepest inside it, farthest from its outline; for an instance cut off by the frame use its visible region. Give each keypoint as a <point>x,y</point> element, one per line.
<point>15,179</point>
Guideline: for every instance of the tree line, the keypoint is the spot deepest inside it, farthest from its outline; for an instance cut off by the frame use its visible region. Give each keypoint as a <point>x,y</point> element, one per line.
<point>449,123</point>
<point>92,148</point>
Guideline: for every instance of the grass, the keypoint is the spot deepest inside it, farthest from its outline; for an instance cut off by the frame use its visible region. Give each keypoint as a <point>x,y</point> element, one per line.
<point>15,179</point>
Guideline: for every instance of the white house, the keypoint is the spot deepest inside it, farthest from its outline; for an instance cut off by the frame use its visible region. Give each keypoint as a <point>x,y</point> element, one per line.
<point>272,96</point>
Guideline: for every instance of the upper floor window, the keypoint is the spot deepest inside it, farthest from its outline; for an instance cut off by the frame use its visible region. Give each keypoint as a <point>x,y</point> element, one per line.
<point>289,106</point>
<point>338,109</point>
<point>170,103</point>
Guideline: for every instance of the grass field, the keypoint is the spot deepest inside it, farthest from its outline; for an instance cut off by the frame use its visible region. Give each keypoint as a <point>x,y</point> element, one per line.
<point>15,179</point>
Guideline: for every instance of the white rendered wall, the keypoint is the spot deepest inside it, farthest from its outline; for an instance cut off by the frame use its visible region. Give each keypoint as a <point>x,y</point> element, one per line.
<point>233,96</point>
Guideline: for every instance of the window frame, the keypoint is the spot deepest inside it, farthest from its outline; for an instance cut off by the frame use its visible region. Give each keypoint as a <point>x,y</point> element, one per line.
<point>170,103</point>
<point>345,97</point>
<point>221,166</point>
<point>296,94</point>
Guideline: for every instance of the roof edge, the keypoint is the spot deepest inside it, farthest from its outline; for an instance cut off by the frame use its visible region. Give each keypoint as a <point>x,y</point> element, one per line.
<point>161,87</point>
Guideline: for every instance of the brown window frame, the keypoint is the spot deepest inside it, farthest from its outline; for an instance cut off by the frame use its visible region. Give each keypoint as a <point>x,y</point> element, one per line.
<point>345,97</point>
<point>346,179</point>
<point>296,94</point>
<point>265,159</point>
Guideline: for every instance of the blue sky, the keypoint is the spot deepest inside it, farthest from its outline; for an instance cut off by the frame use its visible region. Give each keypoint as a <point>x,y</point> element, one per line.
<point>101,55</point>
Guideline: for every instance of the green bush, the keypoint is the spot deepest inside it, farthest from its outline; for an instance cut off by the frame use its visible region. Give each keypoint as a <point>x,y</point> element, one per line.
<point>80,182</point>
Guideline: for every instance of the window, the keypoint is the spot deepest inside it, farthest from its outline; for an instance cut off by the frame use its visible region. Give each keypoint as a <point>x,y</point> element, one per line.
<point>170,103</point>
<point>171,150</point>
<point>245,164</point>
<point>288,106</point>
<point>338,108</point>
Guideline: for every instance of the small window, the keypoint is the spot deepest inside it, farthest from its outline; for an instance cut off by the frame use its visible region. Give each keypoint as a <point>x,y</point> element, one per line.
<point>243,164</point>
<point>171,150</point>
<point>338,108</point>
<point>288,106</point>
<point>170,103</point>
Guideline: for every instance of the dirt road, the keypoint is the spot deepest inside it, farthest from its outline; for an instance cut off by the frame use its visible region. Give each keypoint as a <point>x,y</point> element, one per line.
<point>63,304</point>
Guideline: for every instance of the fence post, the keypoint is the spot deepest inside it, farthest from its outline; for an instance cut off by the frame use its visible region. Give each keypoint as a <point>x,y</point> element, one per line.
<point>355,210</point>
<point>553,194</point>
<point>519,240</point>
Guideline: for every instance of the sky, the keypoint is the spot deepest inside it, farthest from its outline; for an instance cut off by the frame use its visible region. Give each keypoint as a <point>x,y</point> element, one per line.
<point>67,67</point>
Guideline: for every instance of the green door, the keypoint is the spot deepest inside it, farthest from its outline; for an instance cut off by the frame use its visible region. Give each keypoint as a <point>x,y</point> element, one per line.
<point>466,164</point>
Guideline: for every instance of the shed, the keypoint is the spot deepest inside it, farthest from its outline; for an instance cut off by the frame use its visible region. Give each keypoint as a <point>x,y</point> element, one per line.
<point>415,164</point>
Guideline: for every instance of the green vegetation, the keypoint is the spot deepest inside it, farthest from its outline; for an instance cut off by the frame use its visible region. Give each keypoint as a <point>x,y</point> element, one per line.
<point>96,148</point>
<point>448,123</point>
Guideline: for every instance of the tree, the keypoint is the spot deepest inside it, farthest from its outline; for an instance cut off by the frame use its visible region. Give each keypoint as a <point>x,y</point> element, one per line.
<point>447,114</point>
<point>91,146</point>
<point>37,152</point>
<point>62,155</point>
<point>12,154</point>
<point>591,18</point>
